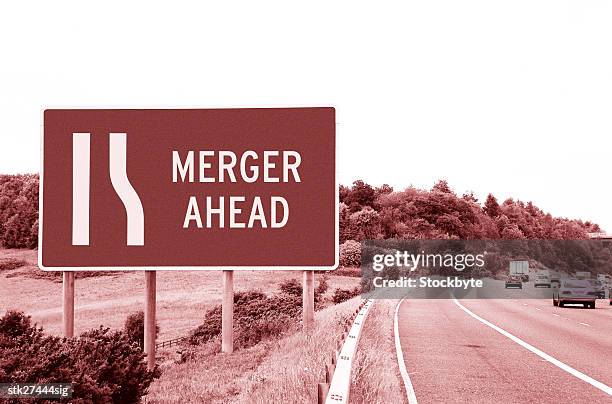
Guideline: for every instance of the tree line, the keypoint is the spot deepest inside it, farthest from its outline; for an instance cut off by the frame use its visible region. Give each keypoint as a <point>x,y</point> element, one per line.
<point>19,211</point>
<point>366,212</point>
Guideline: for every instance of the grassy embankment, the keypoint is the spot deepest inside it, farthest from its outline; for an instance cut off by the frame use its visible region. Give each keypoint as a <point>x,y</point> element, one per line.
<point>182,296</point>
<point>286,369</point>
<point>376,377</point>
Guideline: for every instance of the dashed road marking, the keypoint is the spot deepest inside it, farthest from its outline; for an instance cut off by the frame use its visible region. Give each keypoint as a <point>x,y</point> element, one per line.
<point>595,383</point>
<point>585,324</point>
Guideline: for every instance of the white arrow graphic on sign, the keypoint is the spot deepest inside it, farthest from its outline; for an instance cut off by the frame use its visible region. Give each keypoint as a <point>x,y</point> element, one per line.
<point>119,180</point>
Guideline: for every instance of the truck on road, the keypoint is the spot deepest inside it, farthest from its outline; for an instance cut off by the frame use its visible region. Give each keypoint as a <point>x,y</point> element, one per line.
<point>520,269</point>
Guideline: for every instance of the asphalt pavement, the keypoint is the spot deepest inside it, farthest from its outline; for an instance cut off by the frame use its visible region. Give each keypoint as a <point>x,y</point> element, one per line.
<point>506,351</point>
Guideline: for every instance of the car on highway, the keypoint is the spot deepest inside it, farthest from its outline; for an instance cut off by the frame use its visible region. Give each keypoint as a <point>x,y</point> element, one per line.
<point>555,280</point>
<point>601,293</point>
<point>575,291</point>
<point>514,281</point>
<point>541,280</point>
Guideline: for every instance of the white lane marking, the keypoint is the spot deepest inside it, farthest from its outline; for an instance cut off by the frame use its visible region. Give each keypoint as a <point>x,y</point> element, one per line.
<point>556,315</point>
<point>400,360</point>
<point>584,324</point>
<point>538,309</point>
<point>524,304</point>
<point>595,383</point>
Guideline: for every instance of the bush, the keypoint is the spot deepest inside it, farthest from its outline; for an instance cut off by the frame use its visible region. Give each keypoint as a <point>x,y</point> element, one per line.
<point>134,328</point>
<point>246,296</point>
<point>341,295</point>
<point>210,328</point>
<point>269,326</point>
<point>291,287</point>
<point>322,286</point>
<point>8,264</point>
<point>256,317</point>
<point>350,254</point>
<point>103,366</point>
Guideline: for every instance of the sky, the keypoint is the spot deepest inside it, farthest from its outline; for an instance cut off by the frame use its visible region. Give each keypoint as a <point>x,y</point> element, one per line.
<point>512,98</point>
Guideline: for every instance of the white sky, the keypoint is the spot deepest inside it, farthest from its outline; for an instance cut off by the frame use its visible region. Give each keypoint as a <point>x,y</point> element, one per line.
<point>511,97</point>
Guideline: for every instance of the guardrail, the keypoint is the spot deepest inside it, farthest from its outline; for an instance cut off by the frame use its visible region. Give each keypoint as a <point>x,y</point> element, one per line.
<point>170,342</point>
<point>336,387</point>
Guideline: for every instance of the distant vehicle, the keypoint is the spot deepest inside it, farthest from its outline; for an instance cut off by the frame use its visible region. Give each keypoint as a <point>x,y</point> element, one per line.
<point>583,275</point>
<point>575,291</point>
<point>601,293</point>
<point>555,281</point>
<point>604,278</point>
<point>521,269</point>
<point>606,281</point>
<point>514,281</point>
<point>541,280</point>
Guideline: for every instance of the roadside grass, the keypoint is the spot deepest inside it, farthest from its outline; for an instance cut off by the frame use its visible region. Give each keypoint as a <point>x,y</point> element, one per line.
<point>348,271</point>
<point>287,369</point>
<point>376,377</point>
<point>182,296</point>
<point>209,376</point>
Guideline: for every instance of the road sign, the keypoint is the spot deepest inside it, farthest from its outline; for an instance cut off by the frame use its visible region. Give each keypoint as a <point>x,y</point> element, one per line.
<point>189,189</point>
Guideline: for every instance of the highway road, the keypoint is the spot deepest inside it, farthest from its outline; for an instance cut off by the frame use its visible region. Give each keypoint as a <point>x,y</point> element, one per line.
<point>505,350</point>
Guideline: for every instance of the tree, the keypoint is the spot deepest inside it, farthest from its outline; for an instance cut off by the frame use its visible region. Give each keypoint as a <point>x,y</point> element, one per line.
<point>350,254</point>
<point>491,207</point>
<point>360,195</point>
<point>442,186</point>
<point>470,197</point>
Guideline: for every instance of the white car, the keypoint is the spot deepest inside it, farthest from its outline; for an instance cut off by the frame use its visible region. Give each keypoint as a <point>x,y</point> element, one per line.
<point>541,281</point>
<point>575,291</point>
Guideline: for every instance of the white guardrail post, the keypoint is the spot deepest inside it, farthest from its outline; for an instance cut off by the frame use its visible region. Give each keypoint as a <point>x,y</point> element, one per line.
<point>340,384</point>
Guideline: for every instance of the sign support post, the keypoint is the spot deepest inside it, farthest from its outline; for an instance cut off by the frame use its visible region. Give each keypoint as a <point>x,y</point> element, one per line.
<point>308,301</point>
<point>227,320</point>
<point>68,303</point>
<point>149,318</point>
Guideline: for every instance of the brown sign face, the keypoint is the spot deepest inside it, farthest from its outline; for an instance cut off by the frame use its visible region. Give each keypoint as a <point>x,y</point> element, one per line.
<point>189,189</point>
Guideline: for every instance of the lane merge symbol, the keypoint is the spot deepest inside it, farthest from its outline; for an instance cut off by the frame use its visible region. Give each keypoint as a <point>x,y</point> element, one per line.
<point>81,153</point>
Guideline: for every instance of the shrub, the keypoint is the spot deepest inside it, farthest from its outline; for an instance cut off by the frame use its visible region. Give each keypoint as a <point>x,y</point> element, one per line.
<point>322,286</point>
<point>341,295</point>
<point>350,254</point>
<point>134,328</point>
<point>8,264</point>
<point>269,326</point>
<point>210,328</point>
<point>103,366</point>
<point>256,317</point>
<point>243,297</point>
<point>291,287</point>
